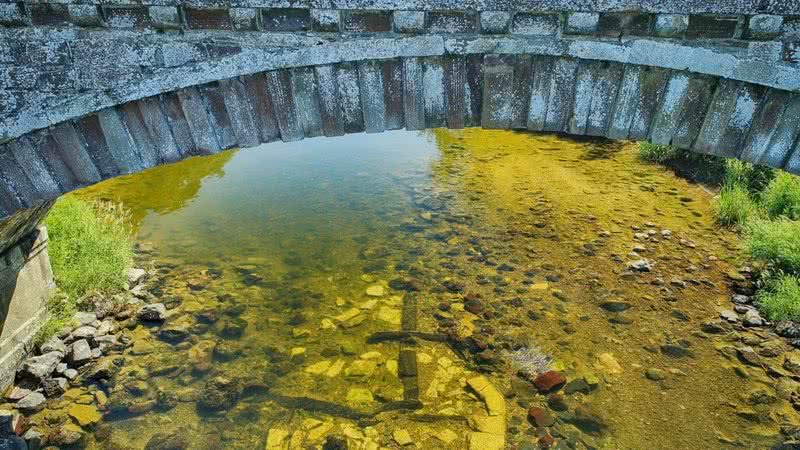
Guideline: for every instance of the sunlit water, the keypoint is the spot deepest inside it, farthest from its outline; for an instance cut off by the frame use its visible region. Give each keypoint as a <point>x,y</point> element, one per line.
<point>266,256</point>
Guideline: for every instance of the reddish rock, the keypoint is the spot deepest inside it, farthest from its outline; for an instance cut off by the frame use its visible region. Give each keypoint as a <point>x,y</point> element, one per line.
<point>540,417</point>
<point>546,441</point>
<point>549,381</point>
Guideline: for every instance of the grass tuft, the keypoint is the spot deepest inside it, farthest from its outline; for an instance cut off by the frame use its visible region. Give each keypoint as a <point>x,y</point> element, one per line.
<point>781,198</point>
<point>775,242</point>
<point>780,299</point>
<point>734,206</point>
<point>91,250</point>
<point>657,153</point>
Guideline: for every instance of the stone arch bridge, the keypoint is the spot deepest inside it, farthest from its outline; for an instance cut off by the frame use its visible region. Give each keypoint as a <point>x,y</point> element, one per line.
<point>91,89</point>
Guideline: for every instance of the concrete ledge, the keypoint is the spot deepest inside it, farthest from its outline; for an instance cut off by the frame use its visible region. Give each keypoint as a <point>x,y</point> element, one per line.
<point>26,282</point>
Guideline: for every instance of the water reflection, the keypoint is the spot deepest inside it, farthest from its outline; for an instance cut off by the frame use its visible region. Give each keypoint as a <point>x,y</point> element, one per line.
<point>356,289</point>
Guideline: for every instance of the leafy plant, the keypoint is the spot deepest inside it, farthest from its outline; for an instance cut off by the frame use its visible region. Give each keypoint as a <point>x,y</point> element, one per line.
<point>780,299</point>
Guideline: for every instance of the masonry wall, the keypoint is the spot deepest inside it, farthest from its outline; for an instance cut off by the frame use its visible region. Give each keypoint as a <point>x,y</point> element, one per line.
<point>26,282</point>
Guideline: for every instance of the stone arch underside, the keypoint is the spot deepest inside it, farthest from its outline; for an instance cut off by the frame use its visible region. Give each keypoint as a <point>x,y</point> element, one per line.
<point>701,112</point>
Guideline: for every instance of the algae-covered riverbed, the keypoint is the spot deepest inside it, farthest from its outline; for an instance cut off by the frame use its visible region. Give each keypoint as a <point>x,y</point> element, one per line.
<point>388,291</point>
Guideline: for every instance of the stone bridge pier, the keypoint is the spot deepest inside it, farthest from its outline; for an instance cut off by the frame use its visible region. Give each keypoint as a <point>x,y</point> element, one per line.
<point>92,89</point>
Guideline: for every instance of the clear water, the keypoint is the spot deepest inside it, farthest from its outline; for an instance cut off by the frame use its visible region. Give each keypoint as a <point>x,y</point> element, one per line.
<point>266,256</point>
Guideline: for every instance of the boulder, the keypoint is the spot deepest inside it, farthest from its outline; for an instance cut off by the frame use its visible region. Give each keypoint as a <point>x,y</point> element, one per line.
<point>32,403</point>
<point>38,368</point>
<point>85,318</point>
<point>53,387</point>
<point>80,352</point>
<point>103,369</point>
<point>135,275</point>
<point>54,344</point>
<point>219,394</point>
<point>154,312</point>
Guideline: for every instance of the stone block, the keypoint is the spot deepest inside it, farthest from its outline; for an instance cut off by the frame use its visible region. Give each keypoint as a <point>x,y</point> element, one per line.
<point>11,15</point>
<point>536,24</point>
<point>495,22</point>
<point>127,16</point>
<point>790,30</point>
<point>582,23</point>
<point>671,25</point>
<point>768,51</point>
<point>791,52</point>
<point>764,26</point>
<point>85,15</point>
<point>285,19</point>
<point>452,22</point>
<point>325,19</point>
<point>207,19</point>
<point>712,27</point>
<point>627,23</point>
<point>48,14</point>
<point>164,17</point>
<point>244,19</point>
<point>409,21</point>
<point>366,21</point>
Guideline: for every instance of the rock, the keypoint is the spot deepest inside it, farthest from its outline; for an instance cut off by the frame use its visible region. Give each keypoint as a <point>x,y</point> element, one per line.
<point>753,319</point>
<point>32,403</point>
<point>735,275</point>
<point>106,327</point>
<point>103,369</point>
<point>740,299</point>
<point>84,415</point>
<point>579,385</point>
<point>54,387</point>
<point>70,374</point>
<point>486,441</point>
<point>549,381</point>
<point>655,374</point>
<point>54,344</point>
<point>174,440</point>
<point>748,356</point>
<point>402,437</point>
<point>34,439</point>
<point>219,393</point>
<point>787,329</point>
<point>65,435</point>
<point>729,316</point>
<point>402,284</point>
<point>713,327</point>
<point>494,400</point>
<point>791,362</point>
<point>231,328</point>
<point>84,318</point>
<point>608,364</point>
<point>38,368</point>
<point>154,312</point>
<point>376,291</point>
<point>587,421</point>
<point>80,352</point>
<point>675,351</point>
<point>17,393</point>
<point>615,306</point>
<point>540,417</point>
<point>640,265</point>
<point>135,276</point>
<point>105,342</point>
<point>173,334</point>
<point>276,437</point>
<point>12,443</point>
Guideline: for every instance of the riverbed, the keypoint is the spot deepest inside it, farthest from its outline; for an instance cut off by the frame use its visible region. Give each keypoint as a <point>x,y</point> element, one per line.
<point>405,290</point>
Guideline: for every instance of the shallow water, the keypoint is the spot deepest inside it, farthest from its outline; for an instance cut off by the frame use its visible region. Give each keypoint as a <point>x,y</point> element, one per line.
<point>266,256</point>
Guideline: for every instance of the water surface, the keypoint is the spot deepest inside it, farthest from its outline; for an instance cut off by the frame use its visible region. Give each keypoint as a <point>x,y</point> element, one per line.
<point>281,261</point>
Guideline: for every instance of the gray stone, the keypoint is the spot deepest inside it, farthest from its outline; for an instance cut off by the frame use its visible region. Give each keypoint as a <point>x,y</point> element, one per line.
<point>671,24</point>
<point>54,344</point>
<point>165,16</point>
<point>53,387</point>
<point>34,439</point>
<point>32,403</point>
<point>83,332</point>
<point>84,15</point>
<point>325,19</point>
<point>741,299</point>
<point>80,352</point>
<point>729,316</point>
<point>135,275</point>
<point>40,367</point>
<point>640,265</point>
<point>495,22</point>
<point>765,25</point>
<point>409,21</point>
<point>154,312</point>
<point>582,22</point>
<point>70,374</point>
<point>753,319</point>
<point>85,318</point>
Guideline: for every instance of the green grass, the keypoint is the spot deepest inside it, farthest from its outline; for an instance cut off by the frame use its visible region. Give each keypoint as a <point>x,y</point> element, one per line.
<point>734,206</point>
<point>781,198</point>
<point>775,243</point>
<point>657,153</point>
<point>751,177</point>
<point>91,250</point>
<point>60,312</point>
<point>780,299</point>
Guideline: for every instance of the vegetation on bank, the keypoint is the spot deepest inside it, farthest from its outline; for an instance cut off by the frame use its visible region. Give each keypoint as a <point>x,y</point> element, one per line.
<point>764,205</point>
<point>91,250</point>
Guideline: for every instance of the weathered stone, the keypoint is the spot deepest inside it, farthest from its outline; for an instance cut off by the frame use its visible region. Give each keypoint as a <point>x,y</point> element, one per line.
<point>38,368</point>
<point>219,394</point>
<point>80,352</point>
<point>32,403</point>
<point>53,387</point>
<point>155,312</point>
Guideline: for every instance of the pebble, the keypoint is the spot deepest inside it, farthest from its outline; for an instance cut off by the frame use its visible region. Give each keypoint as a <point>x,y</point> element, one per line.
<point>376,291</point>
<point>549,381</point>
<point>402,437</point>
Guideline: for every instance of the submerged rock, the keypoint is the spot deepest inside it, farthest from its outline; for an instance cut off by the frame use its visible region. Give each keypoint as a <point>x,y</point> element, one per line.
<point>549,381</point>
<point>155,312</point>
<point>219,393</point>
